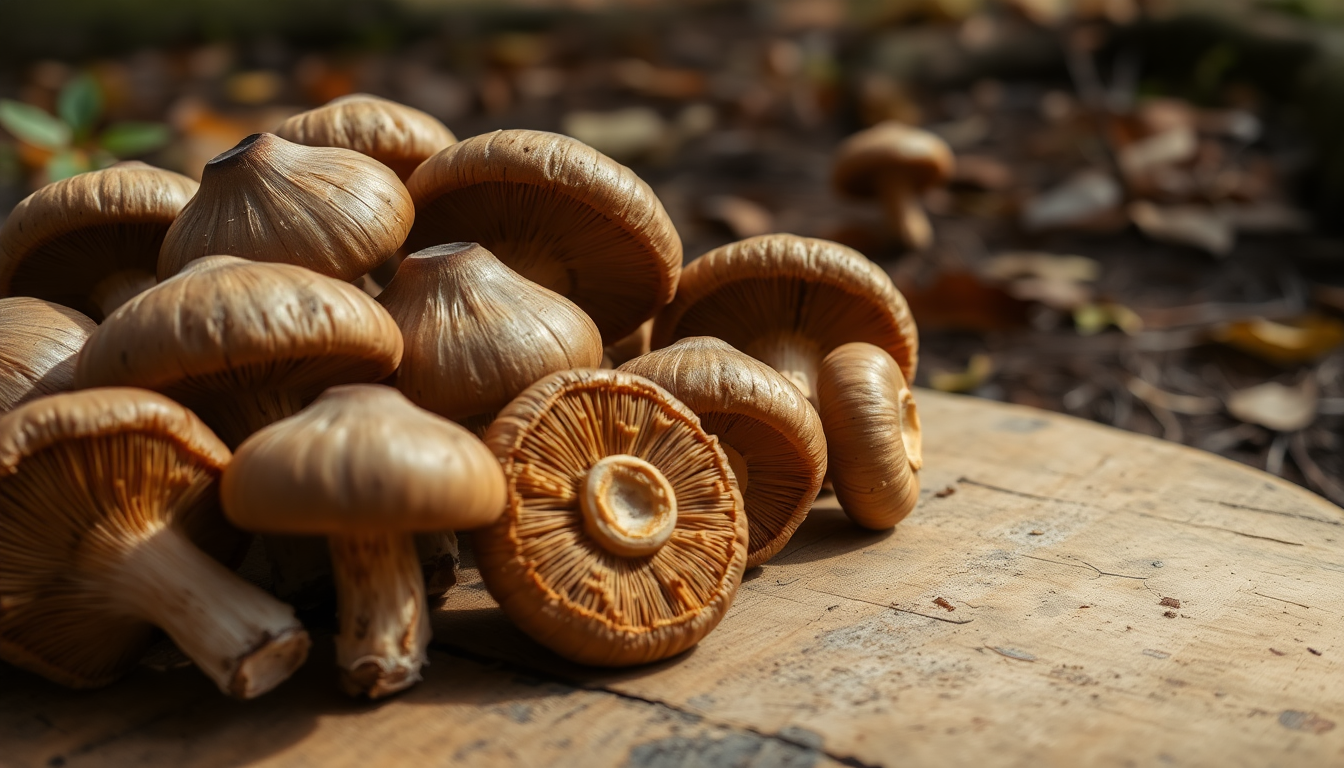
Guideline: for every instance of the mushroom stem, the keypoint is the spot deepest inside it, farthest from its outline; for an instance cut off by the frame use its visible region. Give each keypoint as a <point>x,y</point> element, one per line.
<point>904,212</point>
<point>301,566</point>
<point>628,506</point>
<point>737,464</point>
<point>384,618</point>
<point>242,638</point>
<point>120,287</point>
<point>234,419</point>
<point>796,357</point>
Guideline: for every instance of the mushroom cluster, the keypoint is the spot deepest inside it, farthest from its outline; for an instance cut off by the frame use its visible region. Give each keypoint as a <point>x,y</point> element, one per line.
<point>357,337</point>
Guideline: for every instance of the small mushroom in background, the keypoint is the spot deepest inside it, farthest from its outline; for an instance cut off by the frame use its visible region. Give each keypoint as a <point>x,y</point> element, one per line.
<point>107,499</point>
<point>38,344</point>
<point>894,163</point>
<point>477,333</point>
<point>557,212</point>
<point>395,135</point>
<point>622,542</point>
<point>366,468</point>
<point>766,427</point>
<point>332,210</point>
<point>788,301</point>
<point>245,344</point>
<point>91,242</point>
<point>872,434</point>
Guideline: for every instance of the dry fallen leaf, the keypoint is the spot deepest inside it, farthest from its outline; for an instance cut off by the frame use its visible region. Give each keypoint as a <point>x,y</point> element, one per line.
<point>977,372</point>
<point>1056,281</point>
<point>1091,319</point>
<point>1273,405</point>
<point>1297,341</point>
<point>1170,147</point>
<point>1207,229</point>
<point>742,217</point>
<point>1090,200</point>
<point>622,134</point>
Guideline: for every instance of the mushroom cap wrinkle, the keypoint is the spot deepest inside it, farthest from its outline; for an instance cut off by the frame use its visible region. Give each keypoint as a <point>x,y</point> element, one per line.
<point>395,135</point>
<point>227,329</point>
<point>332,210</point>
<point>872,434</point>
<point>61,241</point>
<point>891,148</point>
<point>567,561</point>
<point>362,459</point>
<point>477,333</point>
<point>559,213</point>
<point>758,415</point>
<point>812,293</point>
<point>38,344</point>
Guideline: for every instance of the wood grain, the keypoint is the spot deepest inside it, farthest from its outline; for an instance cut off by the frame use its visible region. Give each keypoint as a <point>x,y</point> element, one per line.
<point>1064,594</point>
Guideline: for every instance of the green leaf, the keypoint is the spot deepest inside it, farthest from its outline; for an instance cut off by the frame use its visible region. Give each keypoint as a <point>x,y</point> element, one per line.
<point>67,163</point>
<point>33,126</point>
<point>132,139</point>
<point>80,103</point>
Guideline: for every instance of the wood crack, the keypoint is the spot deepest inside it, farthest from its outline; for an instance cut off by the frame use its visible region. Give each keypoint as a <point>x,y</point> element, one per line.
<point>1280,513</point>
<point>889,606</point>
<point>1219,528</point>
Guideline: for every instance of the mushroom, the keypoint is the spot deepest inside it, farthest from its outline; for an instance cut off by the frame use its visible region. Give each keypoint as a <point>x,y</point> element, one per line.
<point>630,347</point>
<point>334,211</point>
<point>477,334</point>
<point>770,433</point>
<point>623,538</point>
<point>91,241</point>
<point>557,212</point>
<point>107,499</point>
<point>872,434</point>
<point>366,468</point>
<point>895,163</point>
<point>788,301</point>
<point>393,134</point>
<point>38,344</point>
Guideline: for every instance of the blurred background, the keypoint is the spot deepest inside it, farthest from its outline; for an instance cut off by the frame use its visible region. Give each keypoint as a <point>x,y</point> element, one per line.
<point>1145,227</point>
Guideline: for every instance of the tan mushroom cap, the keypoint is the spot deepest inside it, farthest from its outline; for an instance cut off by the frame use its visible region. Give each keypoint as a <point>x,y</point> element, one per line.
<point>918,156</point>
<point>477,333</point>
<point>68,463</point>
<point>362,459</point>
<point>788,301</point>
<point>38,344</point>
<point>872,434</point>
<point>557,212</point>
<point>332,210</point>
<point>63,241</point>
<point>242,343</point>
<point>771,434</point>
<point>588,451</point>
<point>395,135</point>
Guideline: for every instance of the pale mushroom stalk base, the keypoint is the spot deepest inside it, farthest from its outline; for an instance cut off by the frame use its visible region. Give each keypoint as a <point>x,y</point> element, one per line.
<point>383,614</point>
<point>904,212</point>
<point>796,357</point>
<point>242,638</point>
<point>737,464</point>
<point>120,287</point>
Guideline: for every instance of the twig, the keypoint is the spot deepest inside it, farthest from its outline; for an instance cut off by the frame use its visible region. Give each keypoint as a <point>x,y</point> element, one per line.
<point>1320,481</point>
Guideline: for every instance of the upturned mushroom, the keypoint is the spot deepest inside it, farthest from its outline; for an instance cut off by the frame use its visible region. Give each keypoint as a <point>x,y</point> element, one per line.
<point>623,538</point>
<point>107,499</point>
<point>90,242</point>
<point>38,344</point>
<point>788,301</point>
<point>393,134</point>
<point>766,427</point>
<point>895,164</point>
<point>332,210</point>
<point>872,434</point>
<point>477,333</point>
<point>557,212</point>
<point>366,468</point>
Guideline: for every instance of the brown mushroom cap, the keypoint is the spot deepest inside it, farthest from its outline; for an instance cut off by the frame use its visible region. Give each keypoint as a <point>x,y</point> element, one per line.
<point>242,343</point>
<point>788,301</point>
<point>477,334</point>
<point>557,212</point>
<point>597,446</point>
<point>920,157</point>
<point>38,344</point>
<point>872,434</point>
<point>102,494</point>
<point>393,134</point>
<point>63,242</point>
<point>765,425</point>
<point>362,459</point>
<point>332,210</point>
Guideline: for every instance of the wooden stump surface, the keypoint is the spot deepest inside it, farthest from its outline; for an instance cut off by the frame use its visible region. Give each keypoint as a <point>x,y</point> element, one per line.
<point>1065,594</point>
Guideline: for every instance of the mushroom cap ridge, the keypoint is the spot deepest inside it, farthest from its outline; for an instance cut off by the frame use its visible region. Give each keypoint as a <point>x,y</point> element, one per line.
<point>394,134</point>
